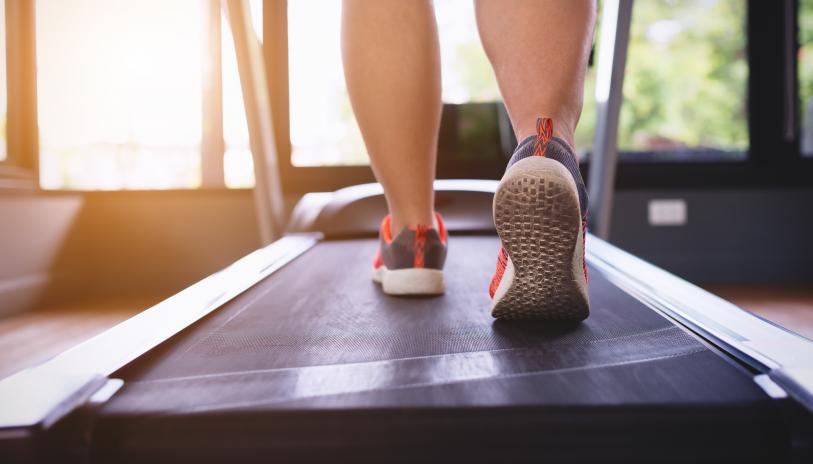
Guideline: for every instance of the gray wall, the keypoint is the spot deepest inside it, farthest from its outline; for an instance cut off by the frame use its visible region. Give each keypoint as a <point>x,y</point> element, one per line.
<point>66,247</point>
<point>33,231</point>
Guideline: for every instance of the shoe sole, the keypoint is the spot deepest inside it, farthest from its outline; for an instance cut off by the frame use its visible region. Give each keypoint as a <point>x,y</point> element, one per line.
<point>413,281</point>
<point>536,212</point>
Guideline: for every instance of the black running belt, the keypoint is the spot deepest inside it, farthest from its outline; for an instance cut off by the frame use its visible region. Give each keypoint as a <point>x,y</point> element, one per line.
<point>315,363</point>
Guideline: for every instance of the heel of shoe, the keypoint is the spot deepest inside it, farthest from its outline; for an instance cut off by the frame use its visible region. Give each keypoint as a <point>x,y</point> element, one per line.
<point>413,281</point>
<point>536,212</point>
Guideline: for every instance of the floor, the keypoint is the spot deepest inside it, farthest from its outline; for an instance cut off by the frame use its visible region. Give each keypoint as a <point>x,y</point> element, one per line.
<point>788,306</point>
<point>31,338</point>
<point>28,339</point>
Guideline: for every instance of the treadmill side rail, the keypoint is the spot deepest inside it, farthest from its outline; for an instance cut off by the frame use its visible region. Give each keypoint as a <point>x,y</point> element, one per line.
<point>796,381</point>
<point>785,356</point>
<point>37,397</point>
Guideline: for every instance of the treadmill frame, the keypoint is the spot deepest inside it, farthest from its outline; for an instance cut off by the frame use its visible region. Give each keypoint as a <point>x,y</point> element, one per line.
<point>34,399</point>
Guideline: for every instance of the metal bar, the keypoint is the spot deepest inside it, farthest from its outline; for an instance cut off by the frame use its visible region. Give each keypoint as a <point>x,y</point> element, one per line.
<point>275,49</point>
<point>612,59</point>
<point>789,47</point>
<point>39,396</point>
<point>212,145</point>
<point>257,101</point>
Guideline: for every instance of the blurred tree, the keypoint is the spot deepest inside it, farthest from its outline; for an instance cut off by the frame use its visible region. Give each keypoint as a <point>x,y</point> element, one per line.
<point>805,73</point>
<point>686,78</point>
<point>685,84</point>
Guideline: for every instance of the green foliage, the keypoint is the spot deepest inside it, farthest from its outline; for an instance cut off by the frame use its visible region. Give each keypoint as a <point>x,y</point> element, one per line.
<point>476,73</point>
<point>686,77</point>
<point>805,53</point>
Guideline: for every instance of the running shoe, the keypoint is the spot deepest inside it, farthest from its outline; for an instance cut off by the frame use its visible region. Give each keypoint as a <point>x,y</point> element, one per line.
<point>540,211</point>
<point>412,262</point>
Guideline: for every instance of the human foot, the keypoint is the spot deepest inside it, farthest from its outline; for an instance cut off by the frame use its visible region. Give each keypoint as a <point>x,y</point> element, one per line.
<point>540,211</point>
<point>412,262</point>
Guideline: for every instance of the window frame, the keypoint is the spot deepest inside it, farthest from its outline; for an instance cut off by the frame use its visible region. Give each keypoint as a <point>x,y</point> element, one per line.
<point>19,169</point>
<point>773,158</point>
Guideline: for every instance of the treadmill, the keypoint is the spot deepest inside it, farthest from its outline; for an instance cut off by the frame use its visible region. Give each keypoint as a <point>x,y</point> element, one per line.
<point>293,354</point>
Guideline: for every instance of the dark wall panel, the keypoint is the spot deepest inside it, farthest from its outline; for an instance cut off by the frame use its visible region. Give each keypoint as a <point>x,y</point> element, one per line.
<point>728,237</point>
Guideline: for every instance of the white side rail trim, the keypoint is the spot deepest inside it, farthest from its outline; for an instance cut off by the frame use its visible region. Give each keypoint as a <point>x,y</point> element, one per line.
<point>785,356</point>
<point>40,395</point>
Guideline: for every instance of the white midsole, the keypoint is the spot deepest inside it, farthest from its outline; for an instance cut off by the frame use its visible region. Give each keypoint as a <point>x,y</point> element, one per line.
<point>412,281</point>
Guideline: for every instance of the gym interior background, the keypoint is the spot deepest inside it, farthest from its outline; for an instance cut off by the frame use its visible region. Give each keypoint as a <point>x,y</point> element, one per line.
<point>126,173</point>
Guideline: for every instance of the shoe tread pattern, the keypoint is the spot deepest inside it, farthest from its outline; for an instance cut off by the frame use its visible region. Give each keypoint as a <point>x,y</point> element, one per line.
<point>536,212</point>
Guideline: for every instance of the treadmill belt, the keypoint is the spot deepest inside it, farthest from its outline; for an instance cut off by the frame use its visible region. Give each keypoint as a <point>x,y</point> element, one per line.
<point>315,362</point>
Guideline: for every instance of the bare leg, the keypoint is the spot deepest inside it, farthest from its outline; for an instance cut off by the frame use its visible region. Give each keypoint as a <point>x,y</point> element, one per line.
<point>392,67</point>
<point>539,49</point>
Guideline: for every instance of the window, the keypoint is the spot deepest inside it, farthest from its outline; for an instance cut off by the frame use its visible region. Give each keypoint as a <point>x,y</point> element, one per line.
<point>686,81</point>
<point>323,129</point>
<point>685,84</point>
<point>238,166</point>
<point>120,94</point>
<point>119,91</point>
<point>805,70</point>
<point>684,94</point>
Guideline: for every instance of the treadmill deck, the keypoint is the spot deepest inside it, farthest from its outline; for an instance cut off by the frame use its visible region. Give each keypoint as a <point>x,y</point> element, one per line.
<point>315,362</point>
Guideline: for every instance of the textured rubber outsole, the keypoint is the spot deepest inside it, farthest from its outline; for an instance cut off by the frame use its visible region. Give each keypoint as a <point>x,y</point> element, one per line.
<point>536,212</point>
<point>413,281</point>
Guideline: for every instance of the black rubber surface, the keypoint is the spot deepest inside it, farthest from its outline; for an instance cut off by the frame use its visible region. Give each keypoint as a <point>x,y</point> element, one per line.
<point>316,363</point>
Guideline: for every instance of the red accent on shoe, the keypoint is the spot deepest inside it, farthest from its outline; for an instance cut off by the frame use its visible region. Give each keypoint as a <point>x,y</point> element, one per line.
<point>544,133</point>
<point>584,248</point>
<point>378,260</point>
<point>386,229</point>
<point>420,244</point>
<point>502,262</point>
<point>441,228</point>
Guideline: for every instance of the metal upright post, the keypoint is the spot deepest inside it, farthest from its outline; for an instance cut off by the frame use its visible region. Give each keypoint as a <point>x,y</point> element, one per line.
<point>257,101</point>
<point>212,144</point>
<point>612,58</point>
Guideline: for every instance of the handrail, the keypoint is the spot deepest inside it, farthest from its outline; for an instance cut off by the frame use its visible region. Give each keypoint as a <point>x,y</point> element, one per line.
<point>612,60</point>
<point>257,102</point>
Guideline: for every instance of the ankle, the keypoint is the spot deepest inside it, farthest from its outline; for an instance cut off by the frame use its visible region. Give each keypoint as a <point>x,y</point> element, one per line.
<point>399,222</point>
<point>567,138</point>
<point>562,130</point>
